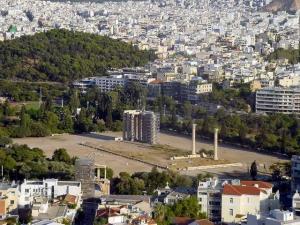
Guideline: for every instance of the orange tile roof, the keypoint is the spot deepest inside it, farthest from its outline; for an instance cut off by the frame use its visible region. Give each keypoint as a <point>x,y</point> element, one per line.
<point>70,199</point>
<point>108,212</point>
<point>2,207</point>
<point>204,222</point>
<point>261,184</point>
<point>158,81</point>
<point>240,190</point>
<point>181,220</point>
<point>186,220</point>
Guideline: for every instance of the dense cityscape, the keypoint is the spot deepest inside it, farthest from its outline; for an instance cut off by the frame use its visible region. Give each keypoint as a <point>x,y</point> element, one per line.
<point>157,112</point>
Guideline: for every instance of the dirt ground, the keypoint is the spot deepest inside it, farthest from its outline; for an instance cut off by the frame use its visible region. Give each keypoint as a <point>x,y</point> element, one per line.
<point>169,145</point>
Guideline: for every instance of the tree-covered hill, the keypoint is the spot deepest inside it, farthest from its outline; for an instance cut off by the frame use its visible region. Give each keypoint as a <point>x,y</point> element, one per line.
<point>291,54</point>
<point>63,56</point>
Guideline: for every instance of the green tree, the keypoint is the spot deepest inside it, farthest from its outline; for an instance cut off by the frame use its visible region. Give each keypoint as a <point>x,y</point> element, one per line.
<point>61,155</point>
<point>253,170</point>
<point>187,110</point>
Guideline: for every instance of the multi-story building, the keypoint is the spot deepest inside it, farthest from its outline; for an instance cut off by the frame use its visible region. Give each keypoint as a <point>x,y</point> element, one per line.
<point>278,100</point>
<point>295,173</point>
<point>85,83</point>
<point>9,195</point>
<point>109,83</point>
<point>187,90</point>
<point>250,197</point>
<point>275,217</point>
<point>116,78</point>
<point>209,196</point>
<point>192,90</point>
<point>48,188</point>
<point>140,126</point>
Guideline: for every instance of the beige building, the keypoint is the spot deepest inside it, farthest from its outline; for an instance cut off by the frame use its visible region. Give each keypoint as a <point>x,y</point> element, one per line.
<point>255,85</point>
<point>9,194</point>
<point>250,197</point>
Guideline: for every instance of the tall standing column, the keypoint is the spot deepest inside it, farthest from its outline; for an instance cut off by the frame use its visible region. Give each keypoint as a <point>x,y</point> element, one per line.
<point>216,144</point>
<point>194,139</point>
<point>98,173</point>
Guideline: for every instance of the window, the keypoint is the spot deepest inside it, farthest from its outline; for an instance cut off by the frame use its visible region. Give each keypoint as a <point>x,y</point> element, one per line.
<point>12,202</point>
<point>231,200</point>
<point>26,190</point>
<point>231,212</point>
<point>200,199</point>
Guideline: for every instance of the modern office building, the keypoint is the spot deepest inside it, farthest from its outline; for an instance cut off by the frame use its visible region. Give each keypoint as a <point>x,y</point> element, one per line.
<point>140,126</point>
<point>278,100</point>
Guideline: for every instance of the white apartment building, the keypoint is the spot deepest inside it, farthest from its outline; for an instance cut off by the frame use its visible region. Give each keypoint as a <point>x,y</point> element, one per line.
<point>49,188</point>
<point>278,100</point>
<point>289,81</point>
<point>209,195</point>
<point>109,83</point>
<point>116,78</point>
<point>275,217</point>
<point>250,197</point>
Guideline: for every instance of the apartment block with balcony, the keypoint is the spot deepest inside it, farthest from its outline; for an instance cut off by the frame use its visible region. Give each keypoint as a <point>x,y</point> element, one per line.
<point>278,100</point>
<point>209,196</point>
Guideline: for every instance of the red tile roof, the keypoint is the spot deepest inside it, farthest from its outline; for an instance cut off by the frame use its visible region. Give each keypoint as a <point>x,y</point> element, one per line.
<point>158,81</point>
<point>204,222</point>
<point>260,184</point>
<point>70,199</point>
<point>108,212</point>
<point>187,220</point>
<point>240,190</point>
<point>2,207</point>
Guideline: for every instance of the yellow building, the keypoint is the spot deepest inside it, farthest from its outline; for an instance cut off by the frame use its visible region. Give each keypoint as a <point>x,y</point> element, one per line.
<point>9,195</point>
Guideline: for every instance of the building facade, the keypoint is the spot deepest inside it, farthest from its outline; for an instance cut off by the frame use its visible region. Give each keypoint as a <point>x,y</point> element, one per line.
<point>250,197</point>
<point>275,217</point>
<point>140,126</point>
<point>9,195</point>
<point>48,188</point>
<point>295,173</point>
<point>278,100</point>
<point>209,196</point>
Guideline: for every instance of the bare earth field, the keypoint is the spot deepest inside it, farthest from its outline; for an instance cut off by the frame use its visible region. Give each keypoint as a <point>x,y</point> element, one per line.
<point>169,145</point>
